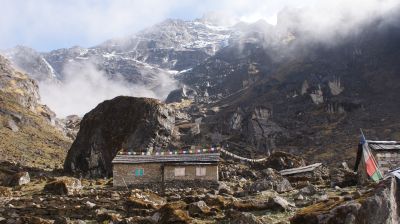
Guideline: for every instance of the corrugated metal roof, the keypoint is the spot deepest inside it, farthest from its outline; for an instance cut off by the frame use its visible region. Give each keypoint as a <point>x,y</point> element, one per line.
<point>302,169</point>
<point>134,159</point>
<point>384,146</point>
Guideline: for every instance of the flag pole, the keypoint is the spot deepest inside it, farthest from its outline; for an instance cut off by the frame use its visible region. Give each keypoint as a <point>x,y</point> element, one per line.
<point>362,134</point>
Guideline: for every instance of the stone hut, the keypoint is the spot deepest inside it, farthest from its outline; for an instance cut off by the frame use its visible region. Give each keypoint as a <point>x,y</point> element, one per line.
<point>314,173</point>
<point>159,171</point>
<point>386,155</point>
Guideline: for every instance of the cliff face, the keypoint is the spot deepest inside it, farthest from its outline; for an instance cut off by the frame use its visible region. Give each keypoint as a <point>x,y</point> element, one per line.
<point>32,62</point>
<point>23,89</point>
<point>308,98</point>
<point>133,124</point>
<point>27,128</point>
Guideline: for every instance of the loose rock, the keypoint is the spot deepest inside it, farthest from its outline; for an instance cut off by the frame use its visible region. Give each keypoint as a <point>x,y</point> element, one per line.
<point>198,209</point>
<point>235,217</point>
<point>273,181</point>
<point>64,186</point>
<point>19,179</point>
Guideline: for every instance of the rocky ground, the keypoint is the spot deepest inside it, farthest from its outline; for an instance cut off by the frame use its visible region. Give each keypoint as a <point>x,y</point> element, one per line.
<point>246,194</point>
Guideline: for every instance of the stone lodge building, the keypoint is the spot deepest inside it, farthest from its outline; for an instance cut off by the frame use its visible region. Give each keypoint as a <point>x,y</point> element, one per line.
<point>179,170</point>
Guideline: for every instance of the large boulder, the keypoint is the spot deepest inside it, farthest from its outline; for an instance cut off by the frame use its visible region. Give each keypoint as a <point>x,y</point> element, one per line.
<point>64,186</point>
<point>129,123</point>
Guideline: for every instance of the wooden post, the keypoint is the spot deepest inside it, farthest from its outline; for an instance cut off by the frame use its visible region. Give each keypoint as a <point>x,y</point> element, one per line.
<point>127,188</point>
<point>162,180</point>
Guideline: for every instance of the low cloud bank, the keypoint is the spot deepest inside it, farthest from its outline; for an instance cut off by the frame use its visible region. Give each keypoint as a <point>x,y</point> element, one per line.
<point>84,87</point>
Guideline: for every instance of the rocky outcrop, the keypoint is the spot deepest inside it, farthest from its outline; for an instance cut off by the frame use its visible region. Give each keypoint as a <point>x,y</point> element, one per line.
<point>262,130</point>
<point>250,126</point>
<point>27,128</point>
<point>180,94</point>
<point>123,123</point>
<point>335,87</point>
<point>378,206</point>
<point>317,94</point>
<point>32,62</point>
<point>23,89</point>
<point>70,126</point>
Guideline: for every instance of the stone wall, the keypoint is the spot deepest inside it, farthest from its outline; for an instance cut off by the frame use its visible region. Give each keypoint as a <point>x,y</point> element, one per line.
<point>387,160</point>
<point>126,172</point>
<point>190,172</point>
<point>124,175</point>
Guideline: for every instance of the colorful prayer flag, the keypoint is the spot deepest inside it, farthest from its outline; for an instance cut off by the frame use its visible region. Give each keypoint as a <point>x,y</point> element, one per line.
<point>370,164</point>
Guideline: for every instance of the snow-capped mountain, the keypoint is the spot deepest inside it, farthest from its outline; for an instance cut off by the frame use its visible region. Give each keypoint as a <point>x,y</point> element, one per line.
<point>173,44</point>
<point>145,58</point>
<point>170,45</point>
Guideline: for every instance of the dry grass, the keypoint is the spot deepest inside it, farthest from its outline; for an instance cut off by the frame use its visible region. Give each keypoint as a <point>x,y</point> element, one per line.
<point>36,144</point>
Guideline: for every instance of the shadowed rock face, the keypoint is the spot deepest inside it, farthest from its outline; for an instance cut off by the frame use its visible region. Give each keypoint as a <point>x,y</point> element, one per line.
<point>134,124</point>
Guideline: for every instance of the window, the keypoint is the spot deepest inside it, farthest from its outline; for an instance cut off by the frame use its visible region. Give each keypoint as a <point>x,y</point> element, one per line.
<point>200,171</point>
<point>139,172</point>
<point>179,171</point>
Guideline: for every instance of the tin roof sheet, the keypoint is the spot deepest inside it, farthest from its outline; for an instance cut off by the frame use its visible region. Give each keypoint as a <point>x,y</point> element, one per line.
<point>196,158</point>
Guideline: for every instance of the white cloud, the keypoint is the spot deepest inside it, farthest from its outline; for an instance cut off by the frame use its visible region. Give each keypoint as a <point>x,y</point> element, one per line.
<point>48,24</point>
<point>322,10</point>
<point>84,86</point>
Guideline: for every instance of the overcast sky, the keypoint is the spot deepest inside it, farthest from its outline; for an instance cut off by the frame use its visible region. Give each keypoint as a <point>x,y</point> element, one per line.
<point>51,24</point>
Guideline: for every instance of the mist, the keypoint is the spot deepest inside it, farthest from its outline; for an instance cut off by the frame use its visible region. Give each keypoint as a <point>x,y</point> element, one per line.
<point>45,25</point>
<point>84,86</point>
<point>328,21</point>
